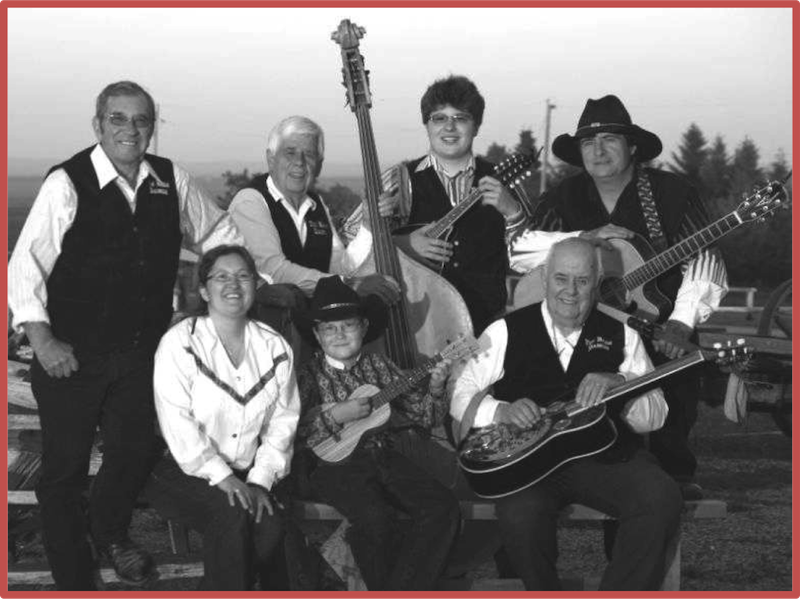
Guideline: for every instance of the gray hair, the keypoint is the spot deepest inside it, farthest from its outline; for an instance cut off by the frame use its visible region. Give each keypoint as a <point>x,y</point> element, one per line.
<point>575,242</point>
<point>123,88</point>
<point>296,124</point>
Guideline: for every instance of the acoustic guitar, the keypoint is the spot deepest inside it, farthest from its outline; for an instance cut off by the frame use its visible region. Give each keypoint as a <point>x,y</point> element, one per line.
<point>630,271</point>
<point>501,459</point>
<point>337,448</point>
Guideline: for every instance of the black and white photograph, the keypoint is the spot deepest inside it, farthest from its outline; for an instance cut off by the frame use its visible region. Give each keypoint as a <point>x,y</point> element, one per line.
<point>331,298</point>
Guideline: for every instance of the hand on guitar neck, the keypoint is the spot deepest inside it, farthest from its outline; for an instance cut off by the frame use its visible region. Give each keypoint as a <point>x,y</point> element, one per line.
<point>672,339</point>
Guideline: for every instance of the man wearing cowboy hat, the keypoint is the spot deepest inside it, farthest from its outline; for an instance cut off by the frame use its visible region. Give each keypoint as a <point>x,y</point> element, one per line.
<point>375,476</point>
<point>616,196</point>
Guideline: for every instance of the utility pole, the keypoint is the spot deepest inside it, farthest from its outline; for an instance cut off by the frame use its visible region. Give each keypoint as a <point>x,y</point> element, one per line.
<point>545,162</point>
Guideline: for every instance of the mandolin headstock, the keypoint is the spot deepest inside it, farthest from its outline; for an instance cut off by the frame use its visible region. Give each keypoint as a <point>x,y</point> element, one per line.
<point>355,76</point>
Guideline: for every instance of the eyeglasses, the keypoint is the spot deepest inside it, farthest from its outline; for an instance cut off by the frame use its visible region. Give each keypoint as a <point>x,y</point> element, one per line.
<point>440,119</point>
<point>224,278</point>
<point>329,329</point>
<point>140,121</point>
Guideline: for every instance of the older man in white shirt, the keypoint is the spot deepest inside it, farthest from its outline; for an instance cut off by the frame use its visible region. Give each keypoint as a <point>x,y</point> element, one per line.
<point>91,283</point>
<point>534,356</point>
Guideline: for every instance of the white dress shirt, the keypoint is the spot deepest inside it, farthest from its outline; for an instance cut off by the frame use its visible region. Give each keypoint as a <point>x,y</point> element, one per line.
<point>704,284</point>
<point>203,224</point>
<point>643,414</point>
<point>252,216</point>
<point>209,431</point>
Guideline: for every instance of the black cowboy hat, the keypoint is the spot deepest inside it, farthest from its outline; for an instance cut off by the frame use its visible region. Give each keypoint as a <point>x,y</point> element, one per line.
<point>606,115</point>
<point>333,300</point>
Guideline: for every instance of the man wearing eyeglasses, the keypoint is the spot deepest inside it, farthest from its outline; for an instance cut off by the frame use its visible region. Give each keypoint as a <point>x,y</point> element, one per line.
<point>91,283</point>
<point>475,255</point>
<point>287,226</point>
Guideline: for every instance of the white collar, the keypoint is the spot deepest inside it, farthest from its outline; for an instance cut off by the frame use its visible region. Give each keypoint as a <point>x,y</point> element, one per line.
<point>430,161</point>
<point>552,330</point>
<point>106,173</point>
<point>206,332</point>
<point>279,197</point>
<point>338,365</point>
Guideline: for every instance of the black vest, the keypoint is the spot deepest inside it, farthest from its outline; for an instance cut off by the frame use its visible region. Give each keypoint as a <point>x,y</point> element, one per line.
<point>316,253</point>
<point>532,368</point>
<point>479,263</point>
<point>111,286</point>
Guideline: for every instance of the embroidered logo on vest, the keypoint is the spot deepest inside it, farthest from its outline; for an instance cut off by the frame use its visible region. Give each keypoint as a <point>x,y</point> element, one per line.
<point>158,187</point>
<point>318,227</point>
<point>598,343</point>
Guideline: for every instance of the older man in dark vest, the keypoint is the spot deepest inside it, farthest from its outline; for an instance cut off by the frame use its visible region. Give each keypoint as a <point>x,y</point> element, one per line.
<point>528,360</point>
<point>91,283</point>
<point>287,226</point>
<point>615,196</point>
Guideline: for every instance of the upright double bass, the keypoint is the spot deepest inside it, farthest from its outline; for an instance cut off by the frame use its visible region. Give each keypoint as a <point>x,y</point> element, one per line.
<point>430,311</point>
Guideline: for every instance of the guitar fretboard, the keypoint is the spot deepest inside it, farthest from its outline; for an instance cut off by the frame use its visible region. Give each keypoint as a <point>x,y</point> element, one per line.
<point>680,252</point>
<point>686,361</point>
<point>457,212</point>
<point>404,383</point>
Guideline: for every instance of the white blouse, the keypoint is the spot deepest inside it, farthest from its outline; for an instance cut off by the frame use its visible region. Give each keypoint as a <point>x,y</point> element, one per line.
<point>216,417</point>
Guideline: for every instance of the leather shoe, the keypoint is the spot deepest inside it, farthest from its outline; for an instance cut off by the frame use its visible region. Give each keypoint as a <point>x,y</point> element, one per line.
<point>133,565</point>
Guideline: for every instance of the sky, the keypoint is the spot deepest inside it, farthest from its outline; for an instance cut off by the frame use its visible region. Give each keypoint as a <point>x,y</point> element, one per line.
<point>224,76</point>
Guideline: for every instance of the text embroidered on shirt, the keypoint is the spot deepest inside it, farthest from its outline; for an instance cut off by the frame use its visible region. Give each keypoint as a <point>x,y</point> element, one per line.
<point>598,343</point>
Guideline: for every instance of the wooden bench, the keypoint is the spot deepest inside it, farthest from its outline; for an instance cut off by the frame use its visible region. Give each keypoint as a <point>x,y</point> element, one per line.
<point>182,563</point>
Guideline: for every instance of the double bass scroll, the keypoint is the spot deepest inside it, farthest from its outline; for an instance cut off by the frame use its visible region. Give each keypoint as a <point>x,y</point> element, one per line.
<point>430,310</point>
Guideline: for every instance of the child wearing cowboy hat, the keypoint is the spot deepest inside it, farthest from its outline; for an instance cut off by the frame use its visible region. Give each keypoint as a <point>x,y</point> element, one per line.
<point>375,479</point>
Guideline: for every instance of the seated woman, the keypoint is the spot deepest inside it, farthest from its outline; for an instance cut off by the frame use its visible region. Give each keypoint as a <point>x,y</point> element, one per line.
<point>228,407</point>
<point>375,479</point>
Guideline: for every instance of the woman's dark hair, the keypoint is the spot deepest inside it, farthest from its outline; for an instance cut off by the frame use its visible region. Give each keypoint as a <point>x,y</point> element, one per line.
<point>211,256</point>
<point>457,91</point>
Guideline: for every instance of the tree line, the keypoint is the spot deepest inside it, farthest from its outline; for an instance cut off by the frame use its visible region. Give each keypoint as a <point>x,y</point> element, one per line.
<point>756,254</point>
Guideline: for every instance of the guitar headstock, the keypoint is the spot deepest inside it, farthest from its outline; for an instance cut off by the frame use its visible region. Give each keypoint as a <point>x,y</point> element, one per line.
<point>729,354</point>
<point>763,202</point>
<point>355,76</point>
<point>512,171</point>
<point>462,348</point>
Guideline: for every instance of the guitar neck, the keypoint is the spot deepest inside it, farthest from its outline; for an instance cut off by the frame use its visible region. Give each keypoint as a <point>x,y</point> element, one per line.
<point>678,253</point>
<point>449,219</point>
<point>661,372</point>
<point>396,388</point>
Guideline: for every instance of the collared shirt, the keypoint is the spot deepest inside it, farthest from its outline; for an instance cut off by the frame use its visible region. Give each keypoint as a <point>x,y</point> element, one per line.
<point>643,413</point>
<point>203,224</point>
<point>251,214</point>
<point>216,417</point>
<point>459,184</point>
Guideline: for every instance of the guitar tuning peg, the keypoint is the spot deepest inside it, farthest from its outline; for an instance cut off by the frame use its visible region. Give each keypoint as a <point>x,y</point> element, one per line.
<point>717,345</point>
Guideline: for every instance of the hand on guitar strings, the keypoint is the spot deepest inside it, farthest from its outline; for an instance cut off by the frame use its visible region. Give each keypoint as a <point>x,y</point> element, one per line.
<point>523,413</point>
<point>594,386</point>
<point>599,235</point>
<point>676,330</point>
<point>439,374</point>
<point>493,193</point>
<point>384,286</point>
<point>352,409</point>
